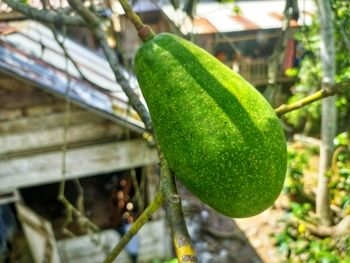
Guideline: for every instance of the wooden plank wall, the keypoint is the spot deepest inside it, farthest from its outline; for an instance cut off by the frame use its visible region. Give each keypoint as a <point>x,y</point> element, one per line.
<point>96,159</point>
<point>154,242</point>
<point>31,119</point>
<point>32,135</point>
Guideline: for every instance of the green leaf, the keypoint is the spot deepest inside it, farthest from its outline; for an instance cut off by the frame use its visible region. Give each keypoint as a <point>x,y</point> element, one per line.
<point>190,8</point>
<point>175,3</point>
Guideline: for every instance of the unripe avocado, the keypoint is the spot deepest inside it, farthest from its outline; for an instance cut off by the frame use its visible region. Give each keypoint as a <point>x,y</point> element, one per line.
<point>218,134</point>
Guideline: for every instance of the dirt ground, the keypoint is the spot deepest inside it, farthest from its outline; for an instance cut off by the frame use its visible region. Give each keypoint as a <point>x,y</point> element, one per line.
<point>220,239</point>
<point>258,230</point>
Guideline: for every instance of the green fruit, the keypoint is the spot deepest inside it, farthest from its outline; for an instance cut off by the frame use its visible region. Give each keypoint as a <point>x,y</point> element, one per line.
<point>219,135</point>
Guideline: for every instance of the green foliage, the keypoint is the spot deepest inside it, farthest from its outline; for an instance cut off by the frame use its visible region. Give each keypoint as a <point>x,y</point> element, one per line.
<point>300,210</point>
<point>307,119</point>
<point>340,183</point>
<point>291,72</point>
<point>342,35</point>
<point>296,243</point>
<point>297,162</point>
<point>236,10</point>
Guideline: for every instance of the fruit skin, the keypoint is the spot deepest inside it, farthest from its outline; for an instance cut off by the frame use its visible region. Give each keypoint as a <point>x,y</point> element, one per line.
<point>218,134</point>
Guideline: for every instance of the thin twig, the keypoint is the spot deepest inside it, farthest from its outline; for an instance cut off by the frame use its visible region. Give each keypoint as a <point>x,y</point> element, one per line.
<point>144,31</point>
<point>95,25</point>
<point>138,194</point>
<point>70,209</point>
<point>45,16</point>
<point>318,95</point>
<point>140,221</point>
<point>131,15</point>
<point>80,199</point>
<point>67,118</point>
<point>67,55</point>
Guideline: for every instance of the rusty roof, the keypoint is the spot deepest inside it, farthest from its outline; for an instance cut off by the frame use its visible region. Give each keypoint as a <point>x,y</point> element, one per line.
<point>212,16</point>
<point>138,6</point>
<point>30,52</point>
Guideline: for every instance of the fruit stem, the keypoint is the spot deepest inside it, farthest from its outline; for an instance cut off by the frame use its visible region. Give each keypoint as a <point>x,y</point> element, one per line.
<point>145,32</point>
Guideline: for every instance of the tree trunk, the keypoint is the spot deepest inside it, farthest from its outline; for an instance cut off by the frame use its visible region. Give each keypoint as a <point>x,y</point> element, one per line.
<point>329,112</point>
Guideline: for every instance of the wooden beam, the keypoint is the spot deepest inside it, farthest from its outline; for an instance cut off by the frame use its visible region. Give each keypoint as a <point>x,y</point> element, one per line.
<point>81,162</point>
<point>9,197</point>
<point>19,142</point>
<point>52,120</point>
<point>240,37</point>
<point>39,234</point>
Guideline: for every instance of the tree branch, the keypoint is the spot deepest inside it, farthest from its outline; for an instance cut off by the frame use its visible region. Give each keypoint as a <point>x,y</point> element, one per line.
<point>181,239</point>
<point>95,25</point>
<point>133,17</point>
<point>74,212</point>
<point>340,229</point>
<point>144,31</point>
<point>46,16</point>
<point>140,221</point>
<point>321,94</point>
<point>67,55</point>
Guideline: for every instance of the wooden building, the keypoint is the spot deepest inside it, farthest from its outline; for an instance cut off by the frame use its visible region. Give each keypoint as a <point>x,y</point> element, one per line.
<point>242,34</point>
<point>56,123</point>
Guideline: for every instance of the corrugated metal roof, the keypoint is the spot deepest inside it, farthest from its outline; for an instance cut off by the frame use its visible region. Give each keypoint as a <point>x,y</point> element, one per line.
<point>32,54</point>
<point>37,4</point>
<point>138,6</point>
<point>253,15</point>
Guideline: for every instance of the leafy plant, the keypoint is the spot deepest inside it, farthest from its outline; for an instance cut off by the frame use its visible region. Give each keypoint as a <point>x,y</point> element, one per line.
<point>296,243</point>
<point>307,120</point>
<point>297,162</point>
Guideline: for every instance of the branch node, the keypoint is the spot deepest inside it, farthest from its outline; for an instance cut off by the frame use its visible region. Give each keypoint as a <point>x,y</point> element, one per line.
<point>146,33</point>
<point>174,198</point>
